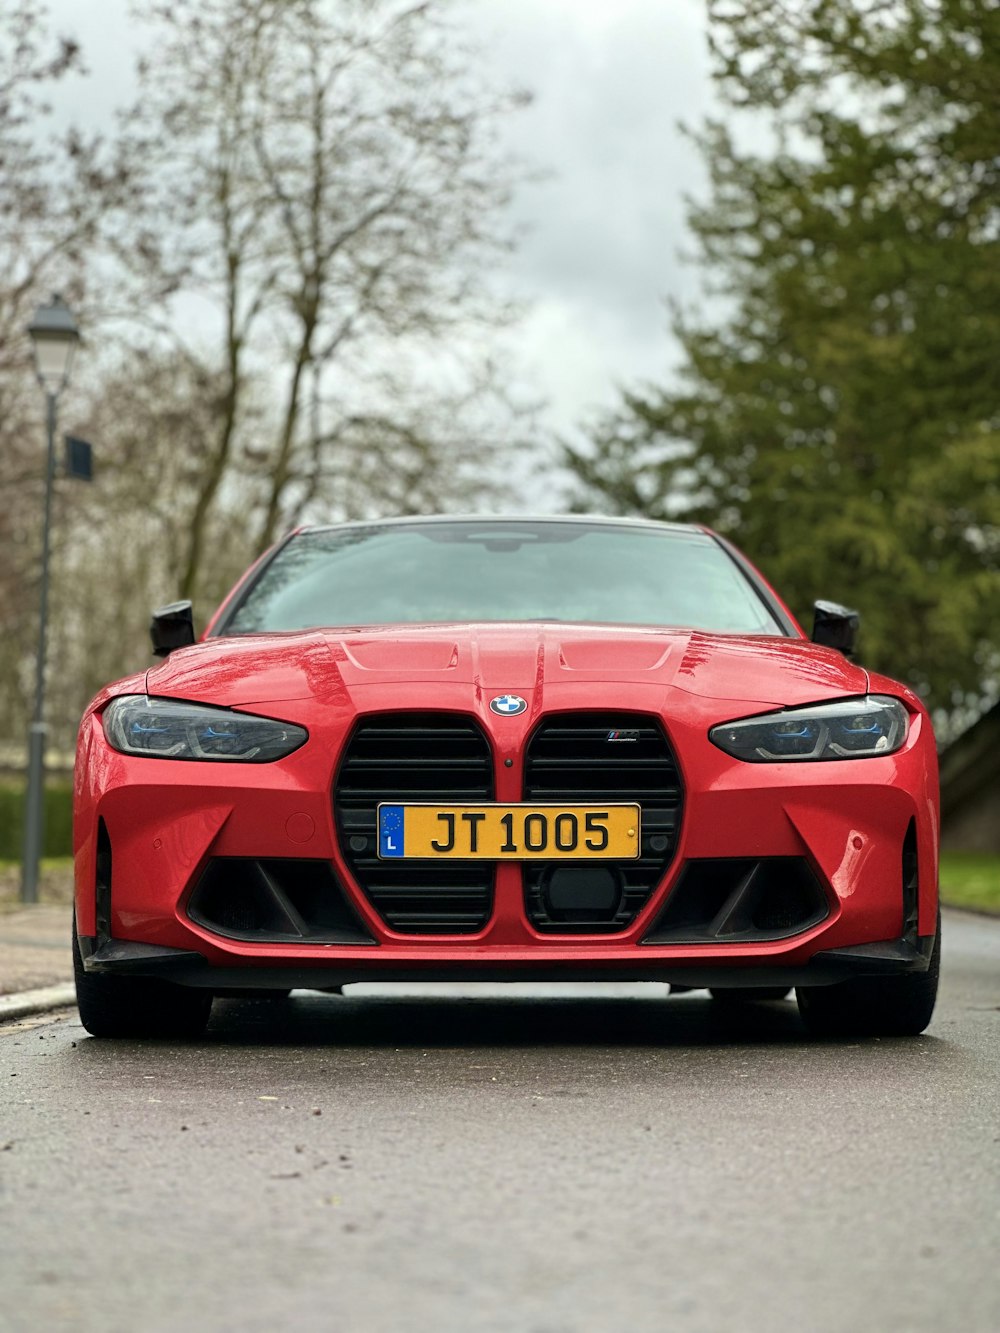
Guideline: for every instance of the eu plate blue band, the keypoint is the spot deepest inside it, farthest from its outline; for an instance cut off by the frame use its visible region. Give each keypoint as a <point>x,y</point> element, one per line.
<point>390,830</point>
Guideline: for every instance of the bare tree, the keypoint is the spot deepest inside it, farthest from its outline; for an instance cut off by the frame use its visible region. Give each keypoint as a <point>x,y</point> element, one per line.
<point>50,201</point>
<point>323,192</point>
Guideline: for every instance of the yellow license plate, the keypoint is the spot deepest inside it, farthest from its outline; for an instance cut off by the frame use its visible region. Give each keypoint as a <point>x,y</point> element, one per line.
<point>509,832</point>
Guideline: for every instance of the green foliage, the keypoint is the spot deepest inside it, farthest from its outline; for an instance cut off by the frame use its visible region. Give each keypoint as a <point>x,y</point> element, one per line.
<point>838,406</point>
<point>58,820</point>
<point>972,880</point>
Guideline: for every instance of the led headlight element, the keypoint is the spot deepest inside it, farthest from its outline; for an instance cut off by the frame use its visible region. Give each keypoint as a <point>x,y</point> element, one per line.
<point>171,729</point>
<point>864,728</point>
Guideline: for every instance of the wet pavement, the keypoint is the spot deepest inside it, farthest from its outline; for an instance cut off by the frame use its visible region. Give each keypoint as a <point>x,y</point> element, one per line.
<point>490,1161</point>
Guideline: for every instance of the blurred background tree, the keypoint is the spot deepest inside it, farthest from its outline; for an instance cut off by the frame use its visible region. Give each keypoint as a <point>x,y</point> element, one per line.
<point>322,194</point>
<point>52,197</point>
<point>837,407</point>
<point>283,263</point>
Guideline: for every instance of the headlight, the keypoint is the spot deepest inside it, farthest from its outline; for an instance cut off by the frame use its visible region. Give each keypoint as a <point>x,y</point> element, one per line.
<point>847,729</point>
<point>171,729</point>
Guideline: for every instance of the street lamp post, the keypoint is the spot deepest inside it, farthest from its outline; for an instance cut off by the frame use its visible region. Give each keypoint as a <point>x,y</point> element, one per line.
<point>54,337</point>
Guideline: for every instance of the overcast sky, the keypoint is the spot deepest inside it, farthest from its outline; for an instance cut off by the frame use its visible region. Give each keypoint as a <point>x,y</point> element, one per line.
<point>611,79</point>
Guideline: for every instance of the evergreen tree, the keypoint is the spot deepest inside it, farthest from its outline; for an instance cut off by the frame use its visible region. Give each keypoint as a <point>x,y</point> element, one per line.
<point>838,406</point>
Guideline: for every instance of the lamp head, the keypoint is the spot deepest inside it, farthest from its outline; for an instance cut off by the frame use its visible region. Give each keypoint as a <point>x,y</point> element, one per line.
<point>54,337</point>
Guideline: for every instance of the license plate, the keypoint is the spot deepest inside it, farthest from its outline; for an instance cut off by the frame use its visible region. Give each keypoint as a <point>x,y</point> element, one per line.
<point>509,832</point>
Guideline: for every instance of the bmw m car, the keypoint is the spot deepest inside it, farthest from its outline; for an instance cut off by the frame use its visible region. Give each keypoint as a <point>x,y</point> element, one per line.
<point>506,750</point>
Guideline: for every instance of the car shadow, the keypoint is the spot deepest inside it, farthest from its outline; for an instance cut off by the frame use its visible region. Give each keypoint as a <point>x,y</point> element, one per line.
<point>471,1019</point>
<point>550,1047</point>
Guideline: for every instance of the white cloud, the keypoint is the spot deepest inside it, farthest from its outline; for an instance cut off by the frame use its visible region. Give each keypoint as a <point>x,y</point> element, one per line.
<point>611,82</point>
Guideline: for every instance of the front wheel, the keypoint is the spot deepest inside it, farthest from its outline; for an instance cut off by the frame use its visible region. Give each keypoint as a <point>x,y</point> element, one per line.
<point>873,1006</point>
<point>113,1006</point>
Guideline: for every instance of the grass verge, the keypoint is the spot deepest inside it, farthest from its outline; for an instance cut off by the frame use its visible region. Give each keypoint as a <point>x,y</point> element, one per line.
<point>55,882</point>
<point>971,879</point>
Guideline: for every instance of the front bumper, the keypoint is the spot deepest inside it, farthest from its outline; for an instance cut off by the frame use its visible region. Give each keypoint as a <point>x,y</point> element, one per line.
<point>163,823</point>
<point>186,967</point>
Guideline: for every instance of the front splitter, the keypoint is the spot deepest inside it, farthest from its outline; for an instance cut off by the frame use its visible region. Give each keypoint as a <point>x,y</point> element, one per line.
<point>186,967</point>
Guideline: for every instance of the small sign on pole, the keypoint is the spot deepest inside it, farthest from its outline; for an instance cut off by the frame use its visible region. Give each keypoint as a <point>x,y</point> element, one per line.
<point>79,459</point>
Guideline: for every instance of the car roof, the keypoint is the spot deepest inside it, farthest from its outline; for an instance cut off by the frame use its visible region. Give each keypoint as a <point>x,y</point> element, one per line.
<point>515,519</point>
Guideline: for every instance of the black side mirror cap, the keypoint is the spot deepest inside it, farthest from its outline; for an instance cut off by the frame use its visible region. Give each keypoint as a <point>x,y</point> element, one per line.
<point>172,627</point>
<point>835,626</point>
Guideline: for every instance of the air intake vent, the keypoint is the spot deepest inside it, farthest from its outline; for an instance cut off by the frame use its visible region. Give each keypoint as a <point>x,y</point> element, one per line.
<point>403,757</point>
<point>279,900</point>
<point>740,901</point>
<point>911,883</point>
<point>582,758</point>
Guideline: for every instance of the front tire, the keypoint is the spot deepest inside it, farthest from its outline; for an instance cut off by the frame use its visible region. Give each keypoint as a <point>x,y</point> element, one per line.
<point>873,1006</point>
<point>113,1006</point>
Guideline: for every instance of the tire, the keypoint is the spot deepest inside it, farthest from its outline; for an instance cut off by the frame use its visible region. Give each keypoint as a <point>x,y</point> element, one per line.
<point>747,994</point>
<point>113,1006</point>
<point>251,993</point>
<point>873,1006</point>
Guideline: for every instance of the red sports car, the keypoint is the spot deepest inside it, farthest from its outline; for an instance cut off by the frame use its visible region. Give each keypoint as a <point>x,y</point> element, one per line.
<point>506,749</point>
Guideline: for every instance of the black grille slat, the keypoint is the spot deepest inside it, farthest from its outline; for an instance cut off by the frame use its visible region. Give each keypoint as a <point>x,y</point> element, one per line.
<point>599,792</point>
<point>383,764</point>
<point>440,918</point>
<point>402,792</point>
<point>599,763</point>
<point>572,760</point>
<point>432,757</point>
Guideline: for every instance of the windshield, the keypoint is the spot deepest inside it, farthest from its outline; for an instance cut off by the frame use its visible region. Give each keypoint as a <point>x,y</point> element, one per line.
<point>497,571</point>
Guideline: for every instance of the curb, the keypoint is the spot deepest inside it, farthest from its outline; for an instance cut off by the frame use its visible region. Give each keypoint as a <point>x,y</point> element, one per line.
<point>37,1001</point>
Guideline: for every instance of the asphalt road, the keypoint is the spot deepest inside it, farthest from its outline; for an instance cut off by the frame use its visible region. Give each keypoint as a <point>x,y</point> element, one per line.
<point>508,1165</point>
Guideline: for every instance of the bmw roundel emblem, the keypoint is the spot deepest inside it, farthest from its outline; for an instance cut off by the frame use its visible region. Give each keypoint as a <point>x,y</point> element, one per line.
<point>508,705</point>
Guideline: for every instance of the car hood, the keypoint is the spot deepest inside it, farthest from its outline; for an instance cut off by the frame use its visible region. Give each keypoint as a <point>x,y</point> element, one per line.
<point>476,662</point>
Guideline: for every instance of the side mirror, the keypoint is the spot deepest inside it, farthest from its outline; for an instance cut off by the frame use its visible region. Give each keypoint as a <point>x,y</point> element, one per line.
<point>172,627</point>
<point>835,626</point>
